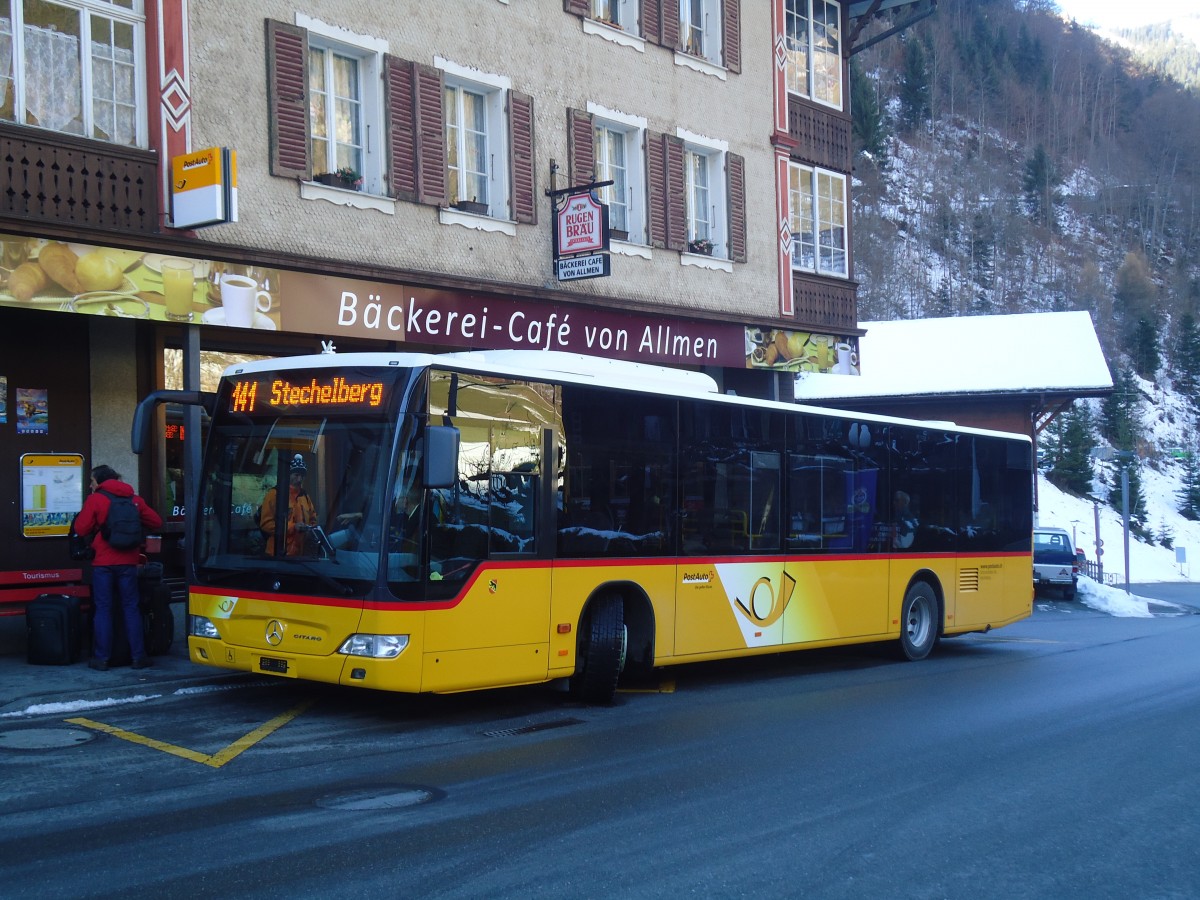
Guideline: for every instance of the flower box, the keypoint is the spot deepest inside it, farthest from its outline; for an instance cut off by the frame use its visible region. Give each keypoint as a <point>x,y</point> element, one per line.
<point>618,234</point>
<point>702,246</point>
<point>333,179</point>
<point>471,206</point>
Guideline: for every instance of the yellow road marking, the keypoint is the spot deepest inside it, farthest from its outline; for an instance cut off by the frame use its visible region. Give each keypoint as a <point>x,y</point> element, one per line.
<point>215,760</point>
<point>664,687</point>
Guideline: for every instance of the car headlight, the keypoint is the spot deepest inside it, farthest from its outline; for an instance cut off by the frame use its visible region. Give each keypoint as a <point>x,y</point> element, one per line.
<point>375,646</point>
<point>202,626</point>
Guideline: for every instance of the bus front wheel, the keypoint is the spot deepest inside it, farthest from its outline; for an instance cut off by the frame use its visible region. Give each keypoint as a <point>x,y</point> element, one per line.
<point>918,621</point>
<point>601,657</point>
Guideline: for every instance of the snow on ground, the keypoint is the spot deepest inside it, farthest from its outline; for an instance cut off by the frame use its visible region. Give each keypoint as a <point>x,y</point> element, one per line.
<point>1147,562</point>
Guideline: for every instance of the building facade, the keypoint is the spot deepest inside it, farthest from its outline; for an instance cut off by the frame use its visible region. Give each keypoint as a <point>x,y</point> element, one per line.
<point>398,180</point>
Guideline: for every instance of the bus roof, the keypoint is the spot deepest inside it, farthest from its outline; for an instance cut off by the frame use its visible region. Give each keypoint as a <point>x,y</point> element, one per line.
<point>579,368</point>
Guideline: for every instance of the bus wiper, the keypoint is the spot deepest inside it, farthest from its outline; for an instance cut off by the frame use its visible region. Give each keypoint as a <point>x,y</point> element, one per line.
<point>333,584</point>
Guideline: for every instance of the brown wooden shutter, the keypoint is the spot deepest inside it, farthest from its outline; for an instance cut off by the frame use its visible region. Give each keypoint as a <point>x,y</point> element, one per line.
<point>577,7</point>
<point>669,24</point>
<point>399,81</point>
<point>676,193</point>
<point>429,126</point>
<point>656,189</point>
<point>735,167</point>
<point>287,99</point>
<point>581,149</point>
<point>732,41</point>
<point>521,157</point>
<point>651,23</point>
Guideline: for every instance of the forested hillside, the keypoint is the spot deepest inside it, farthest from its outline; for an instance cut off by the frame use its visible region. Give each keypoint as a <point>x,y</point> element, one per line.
<point>1009,161</point>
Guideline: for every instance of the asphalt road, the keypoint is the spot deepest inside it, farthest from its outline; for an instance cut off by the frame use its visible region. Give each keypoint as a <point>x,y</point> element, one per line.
<point>1054,758</point>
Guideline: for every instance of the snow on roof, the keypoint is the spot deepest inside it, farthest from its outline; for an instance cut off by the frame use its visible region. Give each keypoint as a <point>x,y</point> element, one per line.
<point>1056,352</point>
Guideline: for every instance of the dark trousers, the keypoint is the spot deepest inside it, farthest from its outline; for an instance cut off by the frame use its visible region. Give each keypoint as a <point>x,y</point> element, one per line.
<point>119,583</point>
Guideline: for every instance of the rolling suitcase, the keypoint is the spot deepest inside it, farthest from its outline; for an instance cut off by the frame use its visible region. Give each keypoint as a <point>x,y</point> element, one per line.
<point>159,620</point>
<point>53,629</point>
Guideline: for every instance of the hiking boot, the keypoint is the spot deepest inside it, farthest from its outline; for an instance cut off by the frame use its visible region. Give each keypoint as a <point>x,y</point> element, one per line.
<point>143,663</point>
<point>100,665</point>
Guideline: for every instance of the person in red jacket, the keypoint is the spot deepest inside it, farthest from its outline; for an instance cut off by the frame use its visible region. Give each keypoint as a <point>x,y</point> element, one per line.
<point>114,571</point>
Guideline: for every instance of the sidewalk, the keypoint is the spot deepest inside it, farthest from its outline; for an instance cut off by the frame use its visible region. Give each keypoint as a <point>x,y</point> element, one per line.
<point>27,690</point>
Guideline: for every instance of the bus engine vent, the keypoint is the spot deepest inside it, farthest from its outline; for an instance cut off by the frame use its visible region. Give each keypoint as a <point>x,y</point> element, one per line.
<point>968,580</point>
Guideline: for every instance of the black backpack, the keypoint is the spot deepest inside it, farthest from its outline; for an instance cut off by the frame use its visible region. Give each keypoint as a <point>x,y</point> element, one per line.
<point>122,527</point>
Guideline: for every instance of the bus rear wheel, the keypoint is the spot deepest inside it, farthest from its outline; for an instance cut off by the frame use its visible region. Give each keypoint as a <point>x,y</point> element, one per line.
<point>601,654</point>
<point>918,622</point>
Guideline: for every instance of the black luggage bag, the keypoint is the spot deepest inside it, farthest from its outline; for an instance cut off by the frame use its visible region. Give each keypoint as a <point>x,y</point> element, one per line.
<point>53,629</point>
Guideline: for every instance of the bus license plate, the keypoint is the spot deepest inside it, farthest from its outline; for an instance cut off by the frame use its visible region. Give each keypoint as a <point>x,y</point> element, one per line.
<point>268,664</point>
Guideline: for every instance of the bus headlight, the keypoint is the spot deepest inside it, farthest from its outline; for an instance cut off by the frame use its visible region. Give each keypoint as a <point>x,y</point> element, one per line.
<point>375,646</point>
<point>202,626</point>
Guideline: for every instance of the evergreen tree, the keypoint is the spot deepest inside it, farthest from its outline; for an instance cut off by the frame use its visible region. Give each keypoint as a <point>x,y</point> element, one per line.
<point>1041,185</point>
<point>1072,470</point>
<point>1146,358</point>
<point>869,128</point>
<point>1189,492</point>
<point>1118,422</point>
<point>1185,361</point>
<point>914,86</point>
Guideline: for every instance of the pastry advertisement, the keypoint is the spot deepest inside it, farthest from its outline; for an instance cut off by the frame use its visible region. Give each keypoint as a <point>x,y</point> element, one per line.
<point>801,351</point>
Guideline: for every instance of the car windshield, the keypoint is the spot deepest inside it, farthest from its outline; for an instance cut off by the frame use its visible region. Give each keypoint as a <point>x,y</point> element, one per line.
<point>1052,547</point>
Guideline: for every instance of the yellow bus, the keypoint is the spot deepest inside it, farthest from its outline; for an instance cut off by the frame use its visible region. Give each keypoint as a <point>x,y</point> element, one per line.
<point>486,519</point>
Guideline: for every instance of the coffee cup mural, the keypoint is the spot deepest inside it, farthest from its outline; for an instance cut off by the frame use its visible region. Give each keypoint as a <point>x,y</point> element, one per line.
<point>242,299</point>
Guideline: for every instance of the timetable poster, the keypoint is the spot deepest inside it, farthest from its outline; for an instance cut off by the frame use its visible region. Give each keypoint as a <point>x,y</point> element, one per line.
<point>51,493</point>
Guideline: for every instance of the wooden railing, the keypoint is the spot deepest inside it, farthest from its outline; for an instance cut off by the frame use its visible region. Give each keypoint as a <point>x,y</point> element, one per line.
<point>67,180</point>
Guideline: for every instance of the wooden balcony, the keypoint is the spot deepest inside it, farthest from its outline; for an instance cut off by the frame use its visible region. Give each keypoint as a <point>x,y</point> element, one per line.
<point>61,179</point>
<point>822,136</point>
<point>824,305</point>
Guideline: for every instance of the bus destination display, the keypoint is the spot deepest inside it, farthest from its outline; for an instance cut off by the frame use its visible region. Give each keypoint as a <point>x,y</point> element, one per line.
<point>275,393</point>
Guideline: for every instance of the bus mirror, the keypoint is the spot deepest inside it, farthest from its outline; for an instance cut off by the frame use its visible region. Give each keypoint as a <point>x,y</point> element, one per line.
<point>441,456</point>
<point>143,416</point>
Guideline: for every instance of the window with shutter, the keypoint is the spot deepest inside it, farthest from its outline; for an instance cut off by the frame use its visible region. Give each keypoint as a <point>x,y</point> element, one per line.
<point>399,84</point>
<point>287,99</point>
<point>651,20</point>
<point>581,160</point>
<point>428,128</point>
<point>656,188</point>
<point>677,193</point>
<point>735,168</point>
<point>524,177</point>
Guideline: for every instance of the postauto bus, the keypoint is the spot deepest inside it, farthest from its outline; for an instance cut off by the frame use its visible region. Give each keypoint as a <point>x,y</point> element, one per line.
<point>484,519</point>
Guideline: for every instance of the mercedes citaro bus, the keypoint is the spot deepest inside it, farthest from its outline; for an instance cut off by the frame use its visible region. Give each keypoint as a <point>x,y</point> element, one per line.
<point>482,519</point>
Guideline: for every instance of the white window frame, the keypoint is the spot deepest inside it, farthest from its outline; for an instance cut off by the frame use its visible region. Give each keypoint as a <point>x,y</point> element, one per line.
<point>622,14</point>
<point>494,89</point>
<point>702,38</point>
<point>823,203</point>
<point>716,216</point>
<point>15,81</point>
<point>368,52</point>
<point>809,70</point>
<point>632,129</point>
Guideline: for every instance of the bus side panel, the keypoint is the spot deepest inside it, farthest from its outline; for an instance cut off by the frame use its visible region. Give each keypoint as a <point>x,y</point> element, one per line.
<point>496,634</point>
<point>306,634</point>
<point>836,599</point>
<point>730,605</point>
<point>993,591</point>
<point>575,582</point>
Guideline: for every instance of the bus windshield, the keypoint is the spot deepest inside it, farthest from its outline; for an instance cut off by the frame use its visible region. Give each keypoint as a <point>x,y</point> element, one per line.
<point>296,468</point>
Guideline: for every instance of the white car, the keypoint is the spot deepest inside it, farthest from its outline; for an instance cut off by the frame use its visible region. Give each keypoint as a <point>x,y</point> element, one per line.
<point>1054,561</point>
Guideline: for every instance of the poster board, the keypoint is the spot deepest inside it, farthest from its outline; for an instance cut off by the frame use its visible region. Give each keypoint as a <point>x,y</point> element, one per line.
<point>51,493</point>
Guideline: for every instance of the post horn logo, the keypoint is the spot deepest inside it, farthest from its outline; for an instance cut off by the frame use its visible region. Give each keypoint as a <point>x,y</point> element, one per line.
<point>765,607</point>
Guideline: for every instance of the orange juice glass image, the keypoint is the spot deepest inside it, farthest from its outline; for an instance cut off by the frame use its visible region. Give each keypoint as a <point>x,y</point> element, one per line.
<point>179,285</point>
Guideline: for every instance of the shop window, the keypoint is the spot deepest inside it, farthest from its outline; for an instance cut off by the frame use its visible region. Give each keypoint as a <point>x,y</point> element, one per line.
<point>75,67</point>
